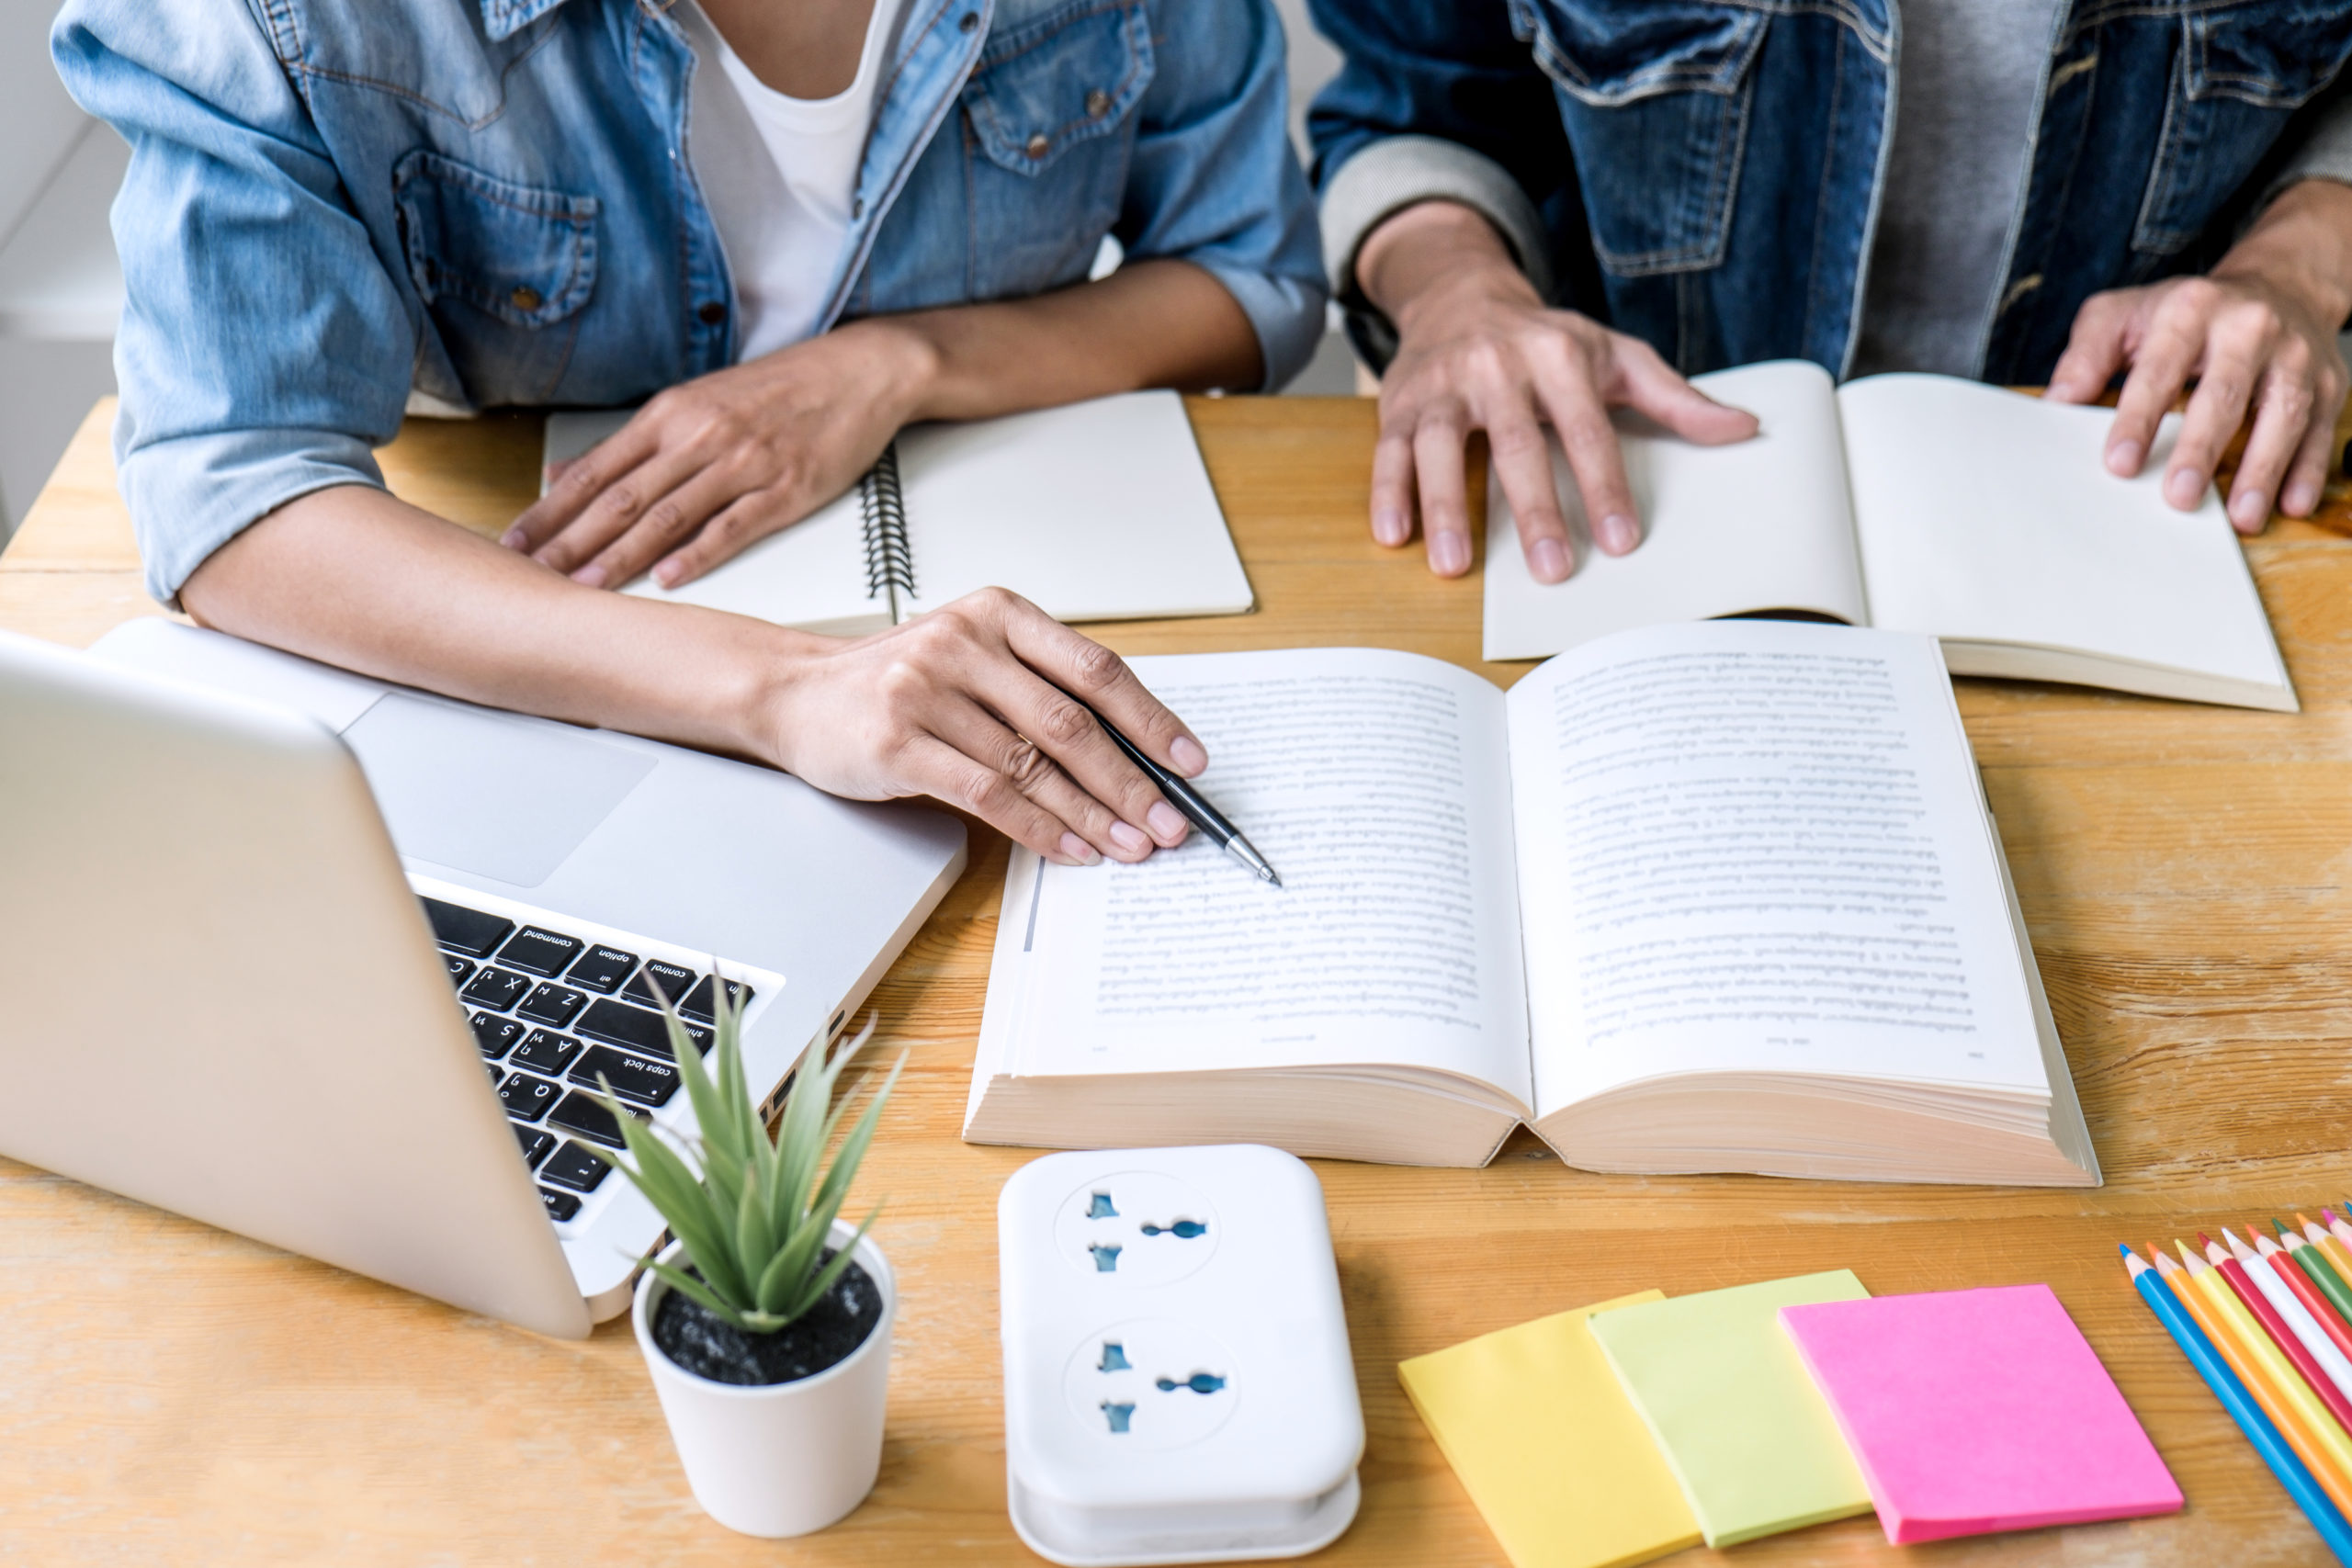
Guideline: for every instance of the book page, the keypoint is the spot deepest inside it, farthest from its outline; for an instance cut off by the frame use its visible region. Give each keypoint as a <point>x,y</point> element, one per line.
<point>1759,524</point>
<point>1100,511</point>
<point>1761,847</point>
<point>1375,783</point>
<point>1989,516</point>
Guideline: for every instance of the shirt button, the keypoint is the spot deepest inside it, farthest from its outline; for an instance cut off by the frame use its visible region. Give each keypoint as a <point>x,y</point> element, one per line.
<point>857,209</point>
<point>711,313</point>
<point>1097,104</point>
<point>1038,146</point>
<point>971,19</point>
<point>524,297</point>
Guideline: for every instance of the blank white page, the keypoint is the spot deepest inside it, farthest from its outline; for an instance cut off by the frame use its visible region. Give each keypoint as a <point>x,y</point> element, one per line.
<point>1759,524</point>
<point>1374,782</point>
<point>1754,846</point>
<point>1986,515</point>
<point>1100,511</point>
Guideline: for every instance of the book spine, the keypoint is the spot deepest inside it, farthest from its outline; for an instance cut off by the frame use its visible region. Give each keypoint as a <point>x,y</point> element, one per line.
<point>889,560</point>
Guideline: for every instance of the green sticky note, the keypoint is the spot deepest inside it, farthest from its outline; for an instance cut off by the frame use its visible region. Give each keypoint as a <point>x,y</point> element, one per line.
<point>1724,1392</point>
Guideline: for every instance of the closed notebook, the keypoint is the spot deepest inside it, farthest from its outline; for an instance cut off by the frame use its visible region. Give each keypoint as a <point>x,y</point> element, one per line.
<point>1972,1411</point>
<point>1543,1440</point>
<point>1728,1403</point>
<point>1098,511</point>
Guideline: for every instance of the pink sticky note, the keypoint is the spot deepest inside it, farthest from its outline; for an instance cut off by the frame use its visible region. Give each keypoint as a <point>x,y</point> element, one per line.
<point>1973,1411</point>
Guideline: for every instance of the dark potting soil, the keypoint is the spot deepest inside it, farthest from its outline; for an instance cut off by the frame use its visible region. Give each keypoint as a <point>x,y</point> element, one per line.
<point>707,1346</point>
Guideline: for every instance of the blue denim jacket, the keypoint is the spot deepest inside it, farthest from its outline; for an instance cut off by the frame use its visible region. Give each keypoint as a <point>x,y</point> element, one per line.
<point>332,201</point>
<point>1705,174</point>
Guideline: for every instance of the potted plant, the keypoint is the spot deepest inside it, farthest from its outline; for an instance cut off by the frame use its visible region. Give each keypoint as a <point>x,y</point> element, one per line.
<point>767,1323</point>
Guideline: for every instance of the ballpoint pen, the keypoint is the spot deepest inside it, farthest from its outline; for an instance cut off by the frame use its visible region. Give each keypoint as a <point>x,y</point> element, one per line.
<point>1195,808</point>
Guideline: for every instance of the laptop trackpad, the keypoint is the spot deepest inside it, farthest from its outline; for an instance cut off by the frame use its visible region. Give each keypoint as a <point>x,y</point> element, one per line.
<point>505,798</point>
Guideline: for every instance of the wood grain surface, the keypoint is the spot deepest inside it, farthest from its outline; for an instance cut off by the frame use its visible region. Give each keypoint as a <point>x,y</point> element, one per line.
<point>170,1393</point>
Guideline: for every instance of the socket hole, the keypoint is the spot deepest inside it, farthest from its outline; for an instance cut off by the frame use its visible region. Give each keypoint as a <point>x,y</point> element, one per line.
<point>1115,1358</point>
<point>1199,1382</point>
<point>1106,1256</point>
<point>1097,1207</point>
<point>1118,1414</point>
<point>1183,1230</point>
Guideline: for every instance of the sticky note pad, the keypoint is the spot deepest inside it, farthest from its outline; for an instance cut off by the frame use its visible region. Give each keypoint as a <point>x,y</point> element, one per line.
<point>1972,1411</point>
<point>1722,1391</point>
<point>1533,1421</point>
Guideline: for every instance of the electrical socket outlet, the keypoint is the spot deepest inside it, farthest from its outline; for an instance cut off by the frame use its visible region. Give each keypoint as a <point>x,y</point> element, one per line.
<point>1178,1381</point>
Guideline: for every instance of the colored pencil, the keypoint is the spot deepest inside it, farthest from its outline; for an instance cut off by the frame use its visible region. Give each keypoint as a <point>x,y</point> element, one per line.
<point>2283,1334</point>
<point>2272,1382</point>
<point>2322,1309</point>
<point>2336,1227</point>
<point>2329,1247</point>
<point>2268,1445</point>
<point>2323,1273</point>
<point>2296,1313</point>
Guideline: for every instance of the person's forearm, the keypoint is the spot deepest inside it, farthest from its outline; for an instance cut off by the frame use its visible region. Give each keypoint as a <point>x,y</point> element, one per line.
<point>2303,244</point>
<point>1434,243</point>
<point>355,578</point>
<point>1151,323</point>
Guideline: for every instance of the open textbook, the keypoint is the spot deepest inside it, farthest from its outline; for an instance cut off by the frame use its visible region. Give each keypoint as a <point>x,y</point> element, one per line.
<point>1721,897</point>
<point>1099,511</point>
<point>1920,503</point>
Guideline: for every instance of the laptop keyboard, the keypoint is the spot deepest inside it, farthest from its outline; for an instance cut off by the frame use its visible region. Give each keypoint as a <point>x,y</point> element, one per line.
<point>552,1012</point>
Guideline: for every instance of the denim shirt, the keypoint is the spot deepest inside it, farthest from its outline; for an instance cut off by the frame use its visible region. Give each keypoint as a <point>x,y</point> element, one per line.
<point>331,202</point>
<point>1706,174</point>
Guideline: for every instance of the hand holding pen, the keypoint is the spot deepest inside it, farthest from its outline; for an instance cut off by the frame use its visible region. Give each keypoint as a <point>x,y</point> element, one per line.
<point>1195,808</point>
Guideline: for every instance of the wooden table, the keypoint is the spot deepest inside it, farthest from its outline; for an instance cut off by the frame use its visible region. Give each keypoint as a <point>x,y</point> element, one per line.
<point>172,1394</point>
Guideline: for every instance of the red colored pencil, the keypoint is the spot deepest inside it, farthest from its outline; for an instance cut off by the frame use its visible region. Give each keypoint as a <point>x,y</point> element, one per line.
<point>2330,1320</point>
<point>2276,1326</point>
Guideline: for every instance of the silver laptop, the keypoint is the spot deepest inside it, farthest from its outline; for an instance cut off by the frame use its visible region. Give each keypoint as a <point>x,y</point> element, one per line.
<point>236,995</point>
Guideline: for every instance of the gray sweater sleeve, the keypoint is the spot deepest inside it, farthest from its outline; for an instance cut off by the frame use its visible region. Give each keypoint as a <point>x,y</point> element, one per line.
<point>1397,172</point>
<point>2325,155</point>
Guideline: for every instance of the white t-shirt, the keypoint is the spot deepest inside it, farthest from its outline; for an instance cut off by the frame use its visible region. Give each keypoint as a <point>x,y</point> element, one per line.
<point>780,174</point>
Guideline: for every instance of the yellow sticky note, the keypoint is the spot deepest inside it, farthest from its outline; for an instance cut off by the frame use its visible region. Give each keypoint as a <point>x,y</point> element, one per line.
<point>1724,1393</point>
<point>1534,1424</point>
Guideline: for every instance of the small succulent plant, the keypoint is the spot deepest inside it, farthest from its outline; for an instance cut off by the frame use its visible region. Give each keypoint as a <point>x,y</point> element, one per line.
<point>755,1218</point>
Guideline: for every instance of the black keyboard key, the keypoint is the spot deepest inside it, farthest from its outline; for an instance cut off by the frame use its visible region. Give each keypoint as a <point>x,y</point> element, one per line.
<point>495,1034</point>
<point>468,932</point>
<point>602,970</point>
<point>496,989</point>
<point>698,1001</point>
<point>586,1115</point>
<point>647,1080</point>
<point>528,1098</point>
<point>536,1143</point>
<point>575,1167</point>
<point>552,1005</point>
<point>458,967</point>
<point>547,1052</point>
<point>561,1206</point>
<point>675,983</point>
<point>541,952</point>
<point>634,1028</point>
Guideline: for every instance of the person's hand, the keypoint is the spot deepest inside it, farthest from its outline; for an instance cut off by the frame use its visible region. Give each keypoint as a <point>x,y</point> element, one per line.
<point>2258,336</point>
<point>983,704</point>
<point>1478,350</point>
<point>713,465</point>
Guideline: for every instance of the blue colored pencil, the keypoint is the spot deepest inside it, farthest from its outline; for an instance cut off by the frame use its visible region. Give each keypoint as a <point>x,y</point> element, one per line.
<point>2257,1426</point>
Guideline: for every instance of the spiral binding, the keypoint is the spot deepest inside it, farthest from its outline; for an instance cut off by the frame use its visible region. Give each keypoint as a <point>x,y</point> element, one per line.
<point>889,560</point>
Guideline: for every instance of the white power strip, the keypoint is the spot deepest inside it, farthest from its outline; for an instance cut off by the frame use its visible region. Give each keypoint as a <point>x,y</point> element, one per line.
<point>1177,1382</point>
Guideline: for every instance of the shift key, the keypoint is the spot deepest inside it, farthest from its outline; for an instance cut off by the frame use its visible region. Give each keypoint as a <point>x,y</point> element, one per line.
<point>647,1080</point>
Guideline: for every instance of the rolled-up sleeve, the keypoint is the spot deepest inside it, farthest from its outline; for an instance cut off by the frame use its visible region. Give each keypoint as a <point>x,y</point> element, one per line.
<point>264,348</point>
<point>1438,100</point>
<point>1215,182</point>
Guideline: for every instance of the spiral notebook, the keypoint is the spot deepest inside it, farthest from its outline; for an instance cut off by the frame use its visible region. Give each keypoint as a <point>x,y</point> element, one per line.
<point>1099,511</point>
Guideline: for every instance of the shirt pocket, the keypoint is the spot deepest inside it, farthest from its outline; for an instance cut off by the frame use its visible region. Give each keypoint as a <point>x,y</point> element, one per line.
<point>1050,113</point>
<point>1654,95</point>
<point>503,270</point>
<point>2241,72</point>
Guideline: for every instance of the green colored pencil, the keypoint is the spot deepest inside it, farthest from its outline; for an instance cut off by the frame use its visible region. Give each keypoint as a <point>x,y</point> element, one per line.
<point>2314,1263</point>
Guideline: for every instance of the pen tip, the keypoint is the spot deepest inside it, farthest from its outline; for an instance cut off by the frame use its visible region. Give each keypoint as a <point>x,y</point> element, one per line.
<point>1273,876</point>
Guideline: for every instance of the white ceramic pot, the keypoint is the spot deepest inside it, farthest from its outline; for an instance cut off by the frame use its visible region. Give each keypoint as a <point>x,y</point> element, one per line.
<point>789,1458</point>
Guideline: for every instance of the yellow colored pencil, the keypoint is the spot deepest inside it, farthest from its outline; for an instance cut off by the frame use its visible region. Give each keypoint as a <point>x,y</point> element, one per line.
<point>2274,1383</point>
<point>2330,1247</point>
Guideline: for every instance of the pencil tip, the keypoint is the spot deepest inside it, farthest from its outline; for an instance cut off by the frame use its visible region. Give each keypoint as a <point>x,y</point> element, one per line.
<point>2204,1240</point>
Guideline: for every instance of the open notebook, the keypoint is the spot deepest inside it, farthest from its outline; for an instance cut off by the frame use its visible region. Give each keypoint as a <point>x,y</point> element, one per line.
<point>1921,503</point>
<point>1713,896</point>
<point>1099,511</point>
